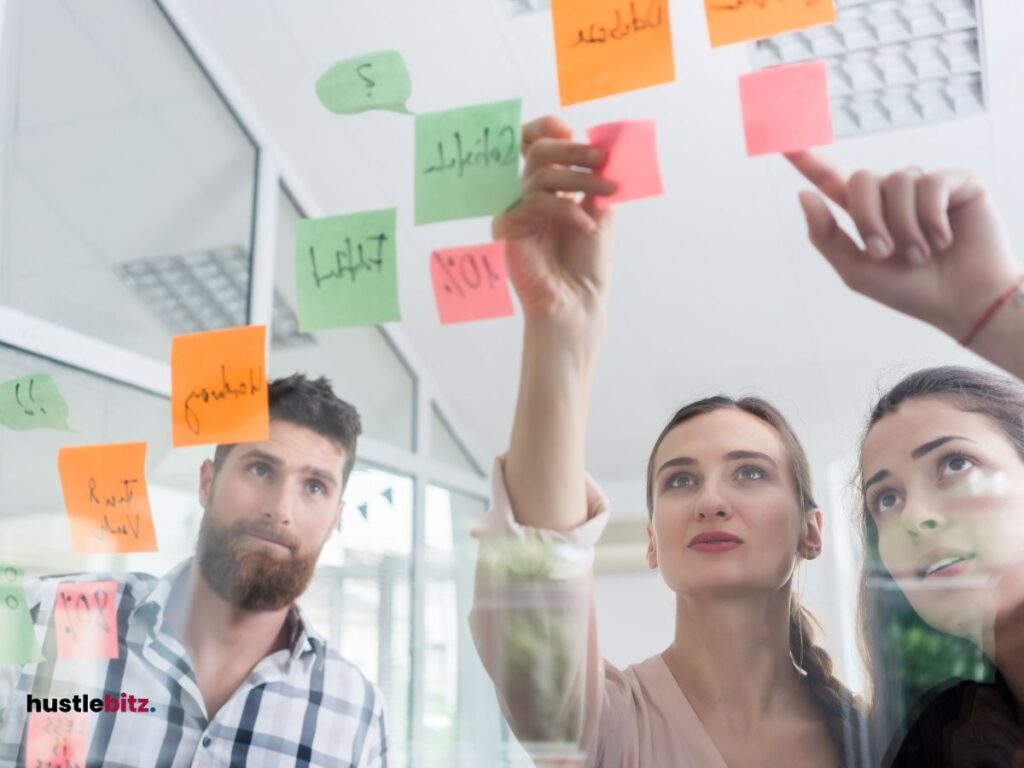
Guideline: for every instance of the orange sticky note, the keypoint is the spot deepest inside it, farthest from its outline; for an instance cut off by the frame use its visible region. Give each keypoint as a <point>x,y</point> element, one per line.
<point>56,739</point>
<point>610,46</point>
<point>632,160</point>
<point>105,497</point>
<point>86,620</point>
<point>218,387</point>
<point>732,21</point>
<point>786,109</point>
<point>470,283</point>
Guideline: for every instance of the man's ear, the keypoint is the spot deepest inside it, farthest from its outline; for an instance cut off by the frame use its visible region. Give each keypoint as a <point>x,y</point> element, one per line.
<point>811,541</point>
<point>652,551</point>
<point>206,474</point>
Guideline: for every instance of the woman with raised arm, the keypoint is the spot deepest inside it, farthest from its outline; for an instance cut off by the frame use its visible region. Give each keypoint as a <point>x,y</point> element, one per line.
<point>942,459</point>
<point>731,516</point>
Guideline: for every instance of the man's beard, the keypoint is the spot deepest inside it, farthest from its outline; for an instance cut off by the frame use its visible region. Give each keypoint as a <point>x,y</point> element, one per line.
<point>250,579</point>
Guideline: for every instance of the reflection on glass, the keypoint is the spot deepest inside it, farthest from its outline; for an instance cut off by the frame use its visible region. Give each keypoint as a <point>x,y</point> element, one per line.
<point>446,448</point>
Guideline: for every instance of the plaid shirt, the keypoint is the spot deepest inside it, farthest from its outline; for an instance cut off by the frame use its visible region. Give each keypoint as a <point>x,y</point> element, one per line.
<point>303,705</point>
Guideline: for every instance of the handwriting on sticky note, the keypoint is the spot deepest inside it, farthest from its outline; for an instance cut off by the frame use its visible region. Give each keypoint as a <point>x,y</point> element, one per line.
<point>56,739</point>
<point>218,387</point>
<point>786,109</point>
<point>632,160</point>
<point>85,620</point>
<point>18,643</point>
<point>470,283</point>
<point>346,270</point>
<point>604,47</point>
<point>33,402</point>
<point>106,499</point>
<point>467,161</point>
<point>732,21</point>
<point>377,80</point>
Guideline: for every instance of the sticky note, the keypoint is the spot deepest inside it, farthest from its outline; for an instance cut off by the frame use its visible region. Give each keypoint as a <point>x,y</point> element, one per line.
<point>33,402</point>
<point>218,387</point>
<point>86,621</point>
<point>632,160</point>
<point>57,739</point>
<point>346,270</point>
<point>17,638</point>
<point>604,47</point>
<point>467,161</point>
<point>786,109</point>
<point>105,496</point>
<point>470,283</point>
<point>373,81</point>
<point>732,21</point>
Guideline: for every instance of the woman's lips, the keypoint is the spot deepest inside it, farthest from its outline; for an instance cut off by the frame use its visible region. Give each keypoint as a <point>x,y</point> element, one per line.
<point>711,542</point>
<point>946,566</point>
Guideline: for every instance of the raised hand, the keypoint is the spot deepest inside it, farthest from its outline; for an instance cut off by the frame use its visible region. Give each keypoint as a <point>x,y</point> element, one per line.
<point>936,249</point>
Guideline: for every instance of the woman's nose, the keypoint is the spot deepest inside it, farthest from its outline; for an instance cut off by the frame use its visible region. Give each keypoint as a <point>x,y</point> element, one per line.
<point>921,519</point>
<point>711,505</point>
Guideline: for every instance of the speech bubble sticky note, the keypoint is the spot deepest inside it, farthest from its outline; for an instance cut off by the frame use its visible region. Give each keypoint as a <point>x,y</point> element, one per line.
<point>57,739</point>
<point>632,160</point>
<point>17,638</point>
<point>732,21</point>
<point>374,81</point>
<point>605,47</point>
<point>467,161</point>
<point>786,109</point>
<point>470,283</point>
<point>33,402</point>
<point>218,387</point>
<point>346,270</point>
<point>85,620</point>
<point>106,499</point>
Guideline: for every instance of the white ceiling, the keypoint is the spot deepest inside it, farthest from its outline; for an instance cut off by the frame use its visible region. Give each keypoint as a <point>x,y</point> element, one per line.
<point>716,287</point>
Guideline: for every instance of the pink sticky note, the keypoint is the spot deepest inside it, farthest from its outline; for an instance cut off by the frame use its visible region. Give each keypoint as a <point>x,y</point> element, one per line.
<point>786,109</point>
<point>470,283</point>
<point>86,621</point>
<point>632,159</point>
<point>56,739</point>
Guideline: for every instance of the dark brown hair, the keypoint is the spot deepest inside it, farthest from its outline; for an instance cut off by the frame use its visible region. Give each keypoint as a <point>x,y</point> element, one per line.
<point>311,403</point>
<point>835,701</point>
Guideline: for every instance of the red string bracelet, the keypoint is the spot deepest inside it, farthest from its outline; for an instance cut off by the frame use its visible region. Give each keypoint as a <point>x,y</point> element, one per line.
<point>996,305</point>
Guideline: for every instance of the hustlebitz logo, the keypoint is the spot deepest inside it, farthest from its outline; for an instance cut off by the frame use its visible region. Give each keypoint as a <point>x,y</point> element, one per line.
<point>80,702</point>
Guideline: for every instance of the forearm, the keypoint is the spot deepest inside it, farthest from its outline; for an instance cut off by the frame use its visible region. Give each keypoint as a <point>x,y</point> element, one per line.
<point>1001,341</point>
<point>544,467</point>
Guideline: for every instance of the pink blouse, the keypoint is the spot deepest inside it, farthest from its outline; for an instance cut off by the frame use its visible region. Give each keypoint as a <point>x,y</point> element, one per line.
<point>534,626</point>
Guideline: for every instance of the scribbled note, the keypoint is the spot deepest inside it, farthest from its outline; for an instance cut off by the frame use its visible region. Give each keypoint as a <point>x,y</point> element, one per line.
<point>632,160</point>
<point>605,47</point>
<point>56,739</point>
<point>373,81</point>
<point>105,496</point>
<point>218,387</point>
<point>346,271</point>
<point>470,283</point>
<point>86,623</point>
<point>732,21</point>
<point>18,643</point>
<point>33,402</point>
<point>786,109</point>
<point>467,161</point>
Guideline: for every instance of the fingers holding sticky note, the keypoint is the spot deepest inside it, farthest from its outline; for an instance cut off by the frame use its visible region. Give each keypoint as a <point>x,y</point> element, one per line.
<point>470,283</point>
<point>786,109</point>
<point>218,387</point>
<point>632,160</point>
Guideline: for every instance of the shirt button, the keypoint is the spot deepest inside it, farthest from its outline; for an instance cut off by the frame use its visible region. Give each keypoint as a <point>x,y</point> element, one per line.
<point>207,741</point>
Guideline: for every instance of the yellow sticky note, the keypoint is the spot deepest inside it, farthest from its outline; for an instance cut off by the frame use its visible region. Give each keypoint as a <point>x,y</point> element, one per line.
<point>733,21</point>
<point>105,497</point>
<point>218,387</point>
<point>605,47</point>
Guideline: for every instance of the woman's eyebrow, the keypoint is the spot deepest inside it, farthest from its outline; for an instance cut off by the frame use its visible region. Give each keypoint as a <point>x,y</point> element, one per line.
<point>679,461</point>
<point>735,455</point>
<point>921,450</point>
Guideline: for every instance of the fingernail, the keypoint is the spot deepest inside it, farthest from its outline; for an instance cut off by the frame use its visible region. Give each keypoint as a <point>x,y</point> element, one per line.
<point>915,255</point>
<point>878,248</point>
<point>941,241</point>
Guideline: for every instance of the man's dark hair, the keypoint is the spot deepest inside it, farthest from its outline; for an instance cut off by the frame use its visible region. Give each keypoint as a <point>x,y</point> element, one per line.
<point>310,403</point>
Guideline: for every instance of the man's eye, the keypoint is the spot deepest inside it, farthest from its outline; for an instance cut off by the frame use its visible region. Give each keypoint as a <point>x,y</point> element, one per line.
<point>259,469</point>
<point>315,486</point>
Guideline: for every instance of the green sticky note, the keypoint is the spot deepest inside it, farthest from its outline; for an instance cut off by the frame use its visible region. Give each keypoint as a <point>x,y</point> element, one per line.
<point>467,161</point>
<point>33,402</point>
<point>374,81</point>
<point>17,638</point>
<point>345,270</point>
